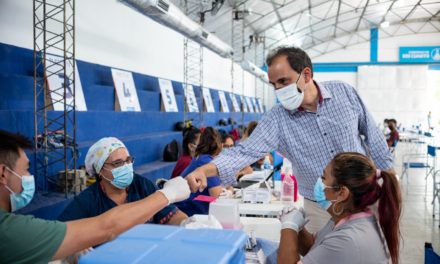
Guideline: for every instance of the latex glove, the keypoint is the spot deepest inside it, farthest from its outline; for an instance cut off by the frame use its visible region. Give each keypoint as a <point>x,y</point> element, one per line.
<point>176,190</point>
<point>293,218</point>
<point>226,194</point>
<point>197,181</point>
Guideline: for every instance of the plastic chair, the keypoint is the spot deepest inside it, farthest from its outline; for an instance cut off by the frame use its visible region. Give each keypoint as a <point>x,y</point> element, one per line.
<point>412,161</point>
<point>430,256</point>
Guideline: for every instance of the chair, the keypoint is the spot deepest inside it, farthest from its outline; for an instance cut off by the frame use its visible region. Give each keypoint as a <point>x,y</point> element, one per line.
<point>413,161</point>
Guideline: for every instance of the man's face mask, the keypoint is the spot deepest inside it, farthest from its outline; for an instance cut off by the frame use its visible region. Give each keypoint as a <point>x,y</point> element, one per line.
<point>290,96</point>
<point>20,200</point>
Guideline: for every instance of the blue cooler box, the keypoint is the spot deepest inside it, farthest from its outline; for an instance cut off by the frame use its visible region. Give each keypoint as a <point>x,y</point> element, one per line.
<point>151,243</point>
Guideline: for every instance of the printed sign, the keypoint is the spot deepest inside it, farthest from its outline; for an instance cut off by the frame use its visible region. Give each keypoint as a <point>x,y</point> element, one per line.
<point>168,98</point>
<point>249,104</point>
<point>234,102</point>
<point>223,102</point>
<point>260,104</point>
<point>55,83</point>
<point>419,54</point>
<point>208,100</point>
<point>243,104</point>
<point>191,100</point>
<point>125,91</point>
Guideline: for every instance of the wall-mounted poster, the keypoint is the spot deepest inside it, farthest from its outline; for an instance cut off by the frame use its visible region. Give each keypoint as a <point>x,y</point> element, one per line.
<point>254,103</point>
<point>260,104</point>
<point>208,100</point>
<point>168,98</point>
<point>125,91</point>
<point>243,104</point>
<point>235,104</point>
<point>191,100</point>
<point>55,83</point>
<point>223,102</point>
<point>249,104</point>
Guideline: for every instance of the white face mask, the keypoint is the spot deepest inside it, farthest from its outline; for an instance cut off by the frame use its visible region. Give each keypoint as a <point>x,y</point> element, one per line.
<point>290,96</point>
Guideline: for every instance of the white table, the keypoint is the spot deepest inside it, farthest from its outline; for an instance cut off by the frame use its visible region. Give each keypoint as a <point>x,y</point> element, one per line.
<point>267,228</point>
<point>271,209</point>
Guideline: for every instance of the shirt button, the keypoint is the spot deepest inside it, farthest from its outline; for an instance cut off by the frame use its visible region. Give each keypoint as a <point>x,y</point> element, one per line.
<point>317,115</point>
<point>325,134</point>
<point>332,151</point>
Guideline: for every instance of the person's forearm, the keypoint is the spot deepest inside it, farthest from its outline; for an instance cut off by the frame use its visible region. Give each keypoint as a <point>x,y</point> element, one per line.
<point>288,249</point>
<point>306,241</point>
<point>209,170</point>
<point>88,232</point>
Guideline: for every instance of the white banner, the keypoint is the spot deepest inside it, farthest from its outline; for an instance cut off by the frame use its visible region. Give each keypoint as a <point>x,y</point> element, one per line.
<point>208,100</point>
<point>254,103</point>
<point>249,104</point>
<point>191,100</point>
<point>56,85</point>
<point>223,102</point>
<point>243,104</point>
<point>168,97</point>
<point>235,104</point>
<point>260,104</point>
<point>125,91</point>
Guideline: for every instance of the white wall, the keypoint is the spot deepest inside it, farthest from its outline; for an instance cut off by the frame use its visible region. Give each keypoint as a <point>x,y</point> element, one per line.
<point>112,34</point>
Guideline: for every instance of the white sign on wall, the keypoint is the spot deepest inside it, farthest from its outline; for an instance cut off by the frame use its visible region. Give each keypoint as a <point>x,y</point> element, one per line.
<point>243,104</point>
<point>56,85</point>
<point>254,103</point>
<point>249,104</point>
<point>168,98</point>
<point>260,104</point>
<point>208,100</point>
<point>223,102</point>
<point>234,102</point>
<point>125,91</point>
<point>191,100</point>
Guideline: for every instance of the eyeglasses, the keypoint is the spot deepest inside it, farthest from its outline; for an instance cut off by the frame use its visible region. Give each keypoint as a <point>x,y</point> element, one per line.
<point>119,163</point>
<point>329,187</point>
<point>227,146</point>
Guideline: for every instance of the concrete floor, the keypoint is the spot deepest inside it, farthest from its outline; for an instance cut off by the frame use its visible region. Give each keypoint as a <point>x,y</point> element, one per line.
<point>417,223</point>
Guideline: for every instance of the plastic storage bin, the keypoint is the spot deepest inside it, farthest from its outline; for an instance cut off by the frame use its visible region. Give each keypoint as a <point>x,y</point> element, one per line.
<point>151,243</point>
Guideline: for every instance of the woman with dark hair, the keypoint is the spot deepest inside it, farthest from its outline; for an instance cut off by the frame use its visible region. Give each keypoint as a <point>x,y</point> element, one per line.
<point>365,208</point>
<point>210,146</point>
<point>191,137</point>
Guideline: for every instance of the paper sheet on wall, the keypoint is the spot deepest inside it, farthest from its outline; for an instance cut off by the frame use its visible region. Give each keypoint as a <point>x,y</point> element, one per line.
<point>254,103</point>
<point>249,104</point>
<point>208,100</point>
<point>243,104</point>
<point>168,97</point>
<point>235,104</point>
<point>191,100</point>
<point>125,91</point>
<point>56,85</point>
<point>260,105</point>
<point>223,102</point>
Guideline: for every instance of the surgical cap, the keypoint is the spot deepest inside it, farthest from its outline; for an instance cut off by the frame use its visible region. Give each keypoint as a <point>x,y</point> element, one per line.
<point>99,152</point>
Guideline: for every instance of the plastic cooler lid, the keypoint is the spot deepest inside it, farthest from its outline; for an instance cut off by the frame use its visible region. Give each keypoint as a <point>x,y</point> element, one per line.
<point>151,243</point>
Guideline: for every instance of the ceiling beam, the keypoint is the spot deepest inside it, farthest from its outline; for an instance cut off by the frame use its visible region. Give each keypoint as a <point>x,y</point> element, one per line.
<point>362,15</point>
<point>337,17</point>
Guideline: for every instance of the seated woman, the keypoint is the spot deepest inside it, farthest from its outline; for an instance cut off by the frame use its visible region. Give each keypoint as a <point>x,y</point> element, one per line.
<point>393,137</point>
<point>117,184</point>
<point>229,142</point>
<point>209,147</point>
<point>191,137</point>
<point>349,189</point>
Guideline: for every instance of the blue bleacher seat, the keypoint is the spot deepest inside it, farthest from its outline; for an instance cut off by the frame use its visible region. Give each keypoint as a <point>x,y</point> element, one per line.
<point>145,133</point>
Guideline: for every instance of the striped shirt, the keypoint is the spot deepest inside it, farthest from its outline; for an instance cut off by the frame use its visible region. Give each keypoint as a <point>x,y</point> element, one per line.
<point>311,139</point>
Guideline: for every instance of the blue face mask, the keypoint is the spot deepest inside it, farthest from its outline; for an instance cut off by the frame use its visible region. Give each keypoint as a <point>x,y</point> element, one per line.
<point>122,176</point>
<point>320,194</point>
<point>20,200</point>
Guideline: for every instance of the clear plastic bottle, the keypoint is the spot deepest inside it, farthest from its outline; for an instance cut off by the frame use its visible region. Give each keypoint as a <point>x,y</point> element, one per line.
<point>266,163</point>
<point>288,189</point>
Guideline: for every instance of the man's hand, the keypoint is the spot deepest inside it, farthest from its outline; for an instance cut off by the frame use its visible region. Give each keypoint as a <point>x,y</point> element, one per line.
<point>197,180</point>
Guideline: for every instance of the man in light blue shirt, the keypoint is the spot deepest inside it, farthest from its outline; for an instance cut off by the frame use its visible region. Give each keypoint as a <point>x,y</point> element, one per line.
<point>313,122</point>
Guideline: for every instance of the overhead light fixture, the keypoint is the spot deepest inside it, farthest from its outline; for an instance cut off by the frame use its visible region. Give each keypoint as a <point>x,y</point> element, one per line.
<point>255,70</point>
<point>171,16</point>
<point>385,24</point>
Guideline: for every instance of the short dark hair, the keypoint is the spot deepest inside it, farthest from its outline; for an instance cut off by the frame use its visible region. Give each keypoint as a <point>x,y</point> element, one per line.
<point>297,58</point>
<point>210,142</point>
<point>226,136</point>
<point>10,145</point>
<point>189,136</point>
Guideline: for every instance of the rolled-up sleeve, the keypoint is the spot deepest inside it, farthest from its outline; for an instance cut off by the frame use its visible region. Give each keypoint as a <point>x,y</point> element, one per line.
<point>374,139</point>
<point>263,140</point>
